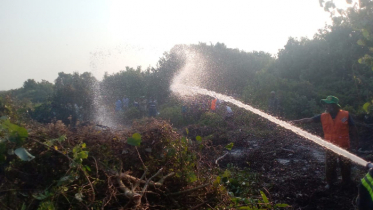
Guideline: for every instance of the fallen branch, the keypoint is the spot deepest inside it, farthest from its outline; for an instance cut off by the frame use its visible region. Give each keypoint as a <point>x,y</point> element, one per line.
<point>127,192</point>
<point>151,183</point>
<point>138,182</point>
<point>221,157</point>
<point>147,182</point>
<point>164,178</point>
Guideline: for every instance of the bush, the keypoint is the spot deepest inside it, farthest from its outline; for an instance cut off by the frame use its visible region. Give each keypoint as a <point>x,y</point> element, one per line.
<point>211,119</point>
<point>132,113</point>
<point>173,114</point>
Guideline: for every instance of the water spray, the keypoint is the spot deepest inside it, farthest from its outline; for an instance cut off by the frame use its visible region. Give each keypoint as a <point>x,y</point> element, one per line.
<point>192,90</point>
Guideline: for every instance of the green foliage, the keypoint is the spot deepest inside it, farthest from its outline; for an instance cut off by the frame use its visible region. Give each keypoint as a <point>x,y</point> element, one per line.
<point>229,146</point>
<point>12,137</point>
<point>130,83</point>
<point>46,205</point>
<point>15,133</point>
<point>242,186</point>
<point>358,17</point>
<point>132,113</point>
<point>180,153</point>
<point>173,114</point>
<point>212,119</point>
<point>70,90</point>
<point>135,140</point>
<point>367,107</point>
<point>199,139</point>
<point>36,92</point>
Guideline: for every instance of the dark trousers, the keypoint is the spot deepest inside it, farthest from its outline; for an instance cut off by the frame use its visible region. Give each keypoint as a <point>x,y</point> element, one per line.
<point>331,168</point>
<point>152,112</point>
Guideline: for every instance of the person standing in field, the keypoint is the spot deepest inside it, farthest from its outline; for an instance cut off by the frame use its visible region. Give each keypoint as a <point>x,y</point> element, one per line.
<point>337,126</point>
<point>213,104</point>
<point>273,104</point>
<point>118,105</point>
<point>152,108</point>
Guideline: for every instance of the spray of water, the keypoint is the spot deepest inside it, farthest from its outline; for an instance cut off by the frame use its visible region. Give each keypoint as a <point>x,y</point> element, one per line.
<point>182,88</point>
<point>102,115</point>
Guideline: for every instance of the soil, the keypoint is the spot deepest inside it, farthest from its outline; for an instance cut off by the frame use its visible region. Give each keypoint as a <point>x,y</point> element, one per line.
<point>292,170</point>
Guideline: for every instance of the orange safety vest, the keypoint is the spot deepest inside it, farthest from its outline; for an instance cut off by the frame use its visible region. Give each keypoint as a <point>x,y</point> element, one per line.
<point>213,104</point>
<point>336,131</point>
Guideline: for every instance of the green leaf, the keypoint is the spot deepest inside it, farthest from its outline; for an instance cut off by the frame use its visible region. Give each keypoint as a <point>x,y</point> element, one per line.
<point>360,42</point>
<point>282,205</point>
<point>84,145</point>
<point>23,154</point>
<point>17,134</point>
<point>229,146</point>
<point>365,33</point>
<point>217,181</point>
<point>183,139</point>
<point>65,180</point>
<point>22,132</point>
<point>88,168</point>
<point>23,206</point>
<point>47,205</point>
<point>136,136</point>
<point>62,138</point>
<point>227,173</point>
<point>191,177</point>
<point>366,107</point>
<point>199,139</point>
<point>83,155</point>
<point>134,142</point>
<point>187,131</point>
<point>265,199</point>
<point>42,196</point>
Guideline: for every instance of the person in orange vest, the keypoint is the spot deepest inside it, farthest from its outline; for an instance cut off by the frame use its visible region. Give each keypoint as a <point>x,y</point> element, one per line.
<point>337,125</point>
<point>213,104</point>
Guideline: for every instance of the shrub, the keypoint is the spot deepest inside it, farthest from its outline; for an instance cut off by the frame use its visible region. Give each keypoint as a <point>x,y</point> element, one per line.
<point>132,113</point>
<point>211,119</point>
<point>173,114</point>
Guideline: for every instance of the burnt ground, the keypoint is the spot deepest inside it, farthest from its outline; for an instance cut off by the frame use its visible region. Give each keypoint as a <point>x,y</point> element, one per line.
<point>292,170</point>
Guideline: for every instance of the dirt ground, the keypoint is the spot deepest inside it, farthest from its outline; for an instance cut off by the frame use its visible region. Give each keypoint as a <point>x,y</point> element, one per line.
<point>292,170</point>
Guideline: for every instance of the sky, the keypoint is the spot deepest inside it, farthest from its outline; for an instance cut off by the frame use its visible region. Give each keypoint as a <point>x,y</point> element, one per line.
<point>40,38</point>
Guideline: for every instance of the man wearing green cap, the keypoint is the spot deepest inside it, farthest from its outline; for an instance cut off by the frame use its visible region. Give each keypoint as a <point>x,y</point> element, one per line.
<point>337,126</point>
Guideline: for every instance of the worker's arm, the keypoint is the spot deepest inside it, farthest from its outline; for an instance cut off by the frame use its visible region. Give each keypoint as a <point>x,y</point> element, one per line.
<point>304,120</point>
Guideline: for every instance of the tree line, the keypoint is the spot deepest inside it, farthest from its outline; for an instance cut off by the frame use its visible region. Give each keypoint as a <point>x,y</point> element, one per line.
<point>334,62</point>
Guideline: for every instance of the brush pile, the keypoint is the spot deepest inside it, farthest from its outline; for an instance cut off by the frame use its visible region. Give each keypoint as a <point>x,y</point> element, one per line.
<point>90,167</point>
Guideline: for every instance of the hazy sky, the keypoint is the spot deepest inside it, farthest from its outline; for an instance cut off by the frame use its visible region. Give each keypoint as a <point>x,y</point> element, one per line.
<point>39,38</point>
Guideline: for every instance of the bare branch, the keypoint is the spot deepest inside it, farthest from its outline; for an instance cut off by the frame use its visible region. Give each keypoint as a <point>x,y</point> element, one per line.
<point>127,192</point>
<point>147,182</point>
<point>142,177</point>
<point>221,157</point>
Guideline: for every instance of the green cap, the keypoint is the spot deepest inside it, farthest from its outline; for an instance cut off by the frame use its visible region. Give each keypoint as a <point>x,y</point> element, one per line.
<point>331,100</point>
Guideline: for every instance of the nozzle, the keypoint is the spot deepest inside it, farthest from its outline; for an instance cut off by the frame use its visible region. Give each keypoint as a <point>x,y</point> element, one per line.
<point>369,165</point>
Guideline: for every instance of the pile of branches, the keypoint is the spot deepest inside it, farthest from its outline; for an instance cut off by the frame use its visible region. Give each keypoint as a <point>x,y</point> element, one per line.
<point>92,167</point>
